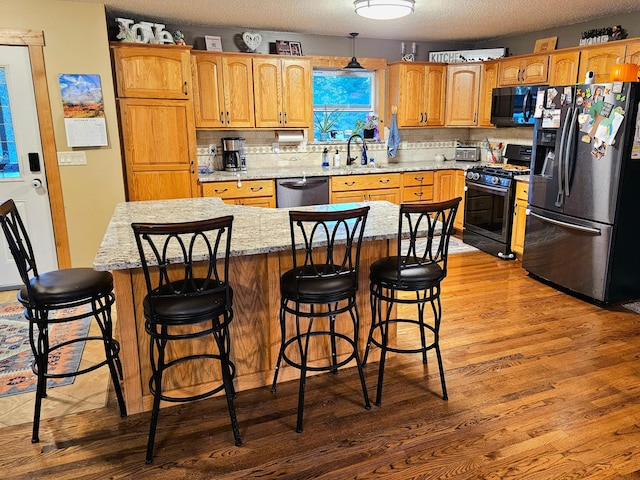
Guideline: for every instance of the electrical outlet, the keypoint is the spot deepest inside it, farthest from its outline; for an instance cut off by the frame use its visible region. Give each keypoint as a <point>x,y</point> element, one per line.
<point>276,147</point>
<point>71,158</point>
<point>213,149</point>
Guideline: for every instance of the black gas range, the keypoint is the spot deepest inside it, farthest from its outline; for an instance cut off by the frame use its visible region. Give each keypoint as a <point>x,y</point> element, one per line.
<point>490,192</point>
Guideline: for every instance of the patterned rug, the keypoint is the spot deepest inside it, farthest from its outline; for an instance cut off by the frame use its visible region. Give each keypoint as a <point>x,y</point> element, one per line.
<point>16,375</point>
<point>633,306</point>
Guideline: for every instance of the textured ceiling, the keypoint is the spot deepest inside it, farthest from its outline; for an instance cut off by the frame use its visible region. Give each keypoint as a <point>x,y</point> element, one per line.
<point>433,20</point>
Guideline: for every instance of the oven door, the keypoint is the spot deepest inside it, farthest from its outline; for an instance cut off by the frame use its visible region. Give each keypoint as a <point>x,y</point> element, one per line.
<point>489,211</point>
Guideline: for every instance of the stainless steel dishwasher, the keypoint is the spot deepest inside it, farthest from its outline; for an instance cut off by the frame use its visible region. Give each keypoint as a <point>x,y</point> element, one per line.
<point>301,191</point>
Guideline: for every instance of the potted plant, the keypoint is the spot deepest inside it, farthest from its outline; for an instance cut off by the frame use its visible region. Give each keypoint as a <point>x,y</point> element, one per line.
<point>367,127</point>
<point>326,121</point>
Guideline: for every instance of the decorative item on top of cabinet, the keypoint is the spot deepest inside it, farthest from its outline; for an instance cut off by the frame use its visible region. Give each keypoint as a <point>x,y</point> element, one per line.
<point>223,90</point>
<point>563,68</point>
<point>367,187</point>
<point>417,187</point>
<point>524,70</point>
<point>519,217</point>
<point>156,121</point>
<point>152,71</point>
<point>418,89</point>
<point>255,193</point>
<point>282,92</point>
<point>488,81</point>
<point>463,82</point>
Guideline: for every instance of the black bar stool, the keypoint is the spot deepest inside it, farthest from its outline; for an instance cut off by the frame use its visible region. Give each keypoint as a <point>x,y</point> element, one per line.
<point>59,290</point>
<point>186,270</point>
<point>322,283</point>
<point>419,271</point>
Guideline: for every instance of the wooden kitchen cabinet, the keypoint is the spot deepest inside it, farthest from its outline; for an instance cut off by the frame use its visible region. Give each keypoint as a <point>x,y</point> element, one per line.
<point>367,187</point>
<point>519,217</point>
<point>418,90</point>
<point>450,184</point>
<point>155,109</point>
<point>463,84</point>
<point>460,181</point>
<point>223,90</point>
<point>159,148</point>
<point>563,68</point>
<point>152,71</point>
<point>524,70</point>
<point>417,187</point>
<point>256,193</point>
<point>282,92</point>
<point>488,81</point>
<point>600,60</point>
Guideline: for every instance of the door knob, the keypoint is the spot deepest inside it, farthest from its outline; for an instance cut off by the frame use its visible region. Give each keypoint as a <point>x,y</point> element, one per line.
<point>36,183</point>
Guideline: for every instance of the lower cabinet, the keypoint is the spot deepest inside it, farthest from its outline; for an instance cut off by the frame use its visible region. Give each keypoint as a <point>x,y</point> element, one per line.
<point>417,187</point>
<point>519,217</point>
<point>255,193</point>
<point>367,187</point>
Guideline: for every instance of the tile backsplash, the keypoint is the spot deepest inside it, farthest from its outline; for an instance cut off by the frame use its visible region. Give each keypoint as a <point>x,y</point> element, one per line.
<point>415,145</point>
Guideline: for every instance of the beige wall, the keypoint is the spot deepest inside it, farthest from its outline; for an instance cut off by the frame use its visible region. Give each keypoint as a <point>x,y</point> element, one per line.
<point>76,41</point>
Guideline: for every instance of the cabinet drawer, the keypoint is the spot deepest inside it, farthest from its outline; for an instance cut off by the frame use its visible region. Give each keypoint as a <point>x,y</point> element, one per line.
<point>230,189</point>
<point>522,191</point>
<point>411,179</point>
<point>365,182</point>
<point>417,194</point>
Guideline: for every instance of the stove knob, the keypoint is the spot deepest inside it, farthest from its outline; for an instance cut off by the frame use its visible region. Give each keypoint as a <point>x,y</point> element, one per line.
<point>475,176</point>
<point>470,175</point>
<point>495,180</point>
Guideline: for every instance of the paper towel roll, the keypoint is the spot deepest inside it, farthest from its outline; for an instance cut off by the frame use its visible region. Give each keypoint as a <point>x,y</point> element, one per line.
<point>295,136</point>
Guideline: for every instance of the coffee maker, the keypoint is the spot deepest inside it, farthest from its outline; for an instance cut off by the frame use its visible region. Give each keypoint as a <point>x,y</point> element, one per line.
<point>233,154</point>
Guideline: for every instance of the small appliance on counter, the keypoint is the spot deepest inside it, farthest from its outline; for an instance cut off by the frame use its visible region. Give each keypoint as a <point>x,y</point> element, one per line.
<point>467,154</point>
<point>234,154</point>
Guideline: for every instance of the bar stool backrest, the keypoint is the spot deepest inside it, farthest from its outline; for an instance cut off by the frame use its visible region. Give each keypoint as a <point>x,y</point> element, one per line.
<point>19,243</point>
<point>170,253</point>
<point>427,227</point>
<point>319,233</point>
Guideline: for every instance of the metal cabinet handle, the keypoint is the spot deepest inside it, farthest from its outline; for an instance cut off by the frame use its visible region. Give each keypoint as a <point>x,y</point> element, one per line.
<point>418,179</point>
<point>418,194</point>
<point>220,191</point>
<point>384,180</point>
<point>221,117</point>
<point>186,88</point>
<point>348,184</point>
<point>228,118</point>
<point>285,118</point>
<point>280,118</point>
<point>256,189</point>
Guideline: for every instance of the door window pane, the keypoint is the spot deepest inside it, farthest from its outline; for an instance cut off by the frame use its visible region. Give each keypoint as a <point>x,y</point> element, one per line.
<point>8,152</point>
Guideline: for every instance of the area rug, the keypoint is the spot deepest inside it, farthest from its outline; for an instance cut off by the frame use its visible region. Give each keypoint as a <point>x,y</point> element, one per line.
<point>633,306</point>
<point>455,245</point>
<point>16,375</point>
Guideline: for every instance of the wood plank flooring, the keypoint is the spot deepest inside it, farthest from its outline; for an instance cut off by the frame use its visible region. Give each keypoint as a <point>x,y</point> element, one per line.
<point>541,386</point>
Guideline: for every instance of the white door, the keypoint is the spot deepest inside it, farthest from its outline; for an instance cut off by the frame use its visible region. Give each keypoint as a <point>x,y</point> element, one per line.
<point>20,140</point>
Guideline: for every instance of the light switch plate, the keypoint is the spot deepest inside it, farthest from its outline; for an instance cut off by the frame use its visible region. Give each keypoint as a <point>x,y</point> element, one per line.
<point>71,158</point>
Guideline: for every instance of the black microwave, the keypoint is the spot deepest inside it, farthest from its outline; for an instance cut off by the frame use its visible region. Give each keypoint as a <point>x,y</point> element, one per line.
<point>514,106</point>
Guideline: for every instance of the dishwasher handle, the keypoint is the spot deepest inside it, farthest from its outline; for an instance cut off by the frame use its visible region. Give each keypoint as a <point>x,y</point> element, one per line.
<point>303,184</point>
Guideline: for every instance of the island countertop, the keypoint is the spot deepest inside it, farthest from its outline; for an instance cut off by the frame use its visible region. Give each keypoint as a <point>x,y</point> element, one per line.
<point>256,230</point>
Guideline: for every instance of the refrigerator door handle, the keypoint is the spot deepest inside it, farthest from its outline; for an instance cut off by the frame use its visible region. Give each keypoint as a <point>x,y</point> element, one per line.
<point>573,226</point>
<point>561,153</point>
<point>525,103</point>
<point>569,158</point>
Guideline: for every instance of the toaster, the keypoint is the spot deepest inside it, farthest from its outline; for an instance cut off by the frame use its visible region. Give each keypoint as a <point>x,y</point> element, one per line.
<point>467,154</point>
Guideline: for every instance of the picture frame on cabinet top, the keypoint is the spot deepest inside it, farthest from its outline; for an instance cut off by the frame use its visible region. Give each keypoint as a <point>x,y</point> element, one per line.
<point>545,44</point>
<point>213,43</point>
<point>295,48</point>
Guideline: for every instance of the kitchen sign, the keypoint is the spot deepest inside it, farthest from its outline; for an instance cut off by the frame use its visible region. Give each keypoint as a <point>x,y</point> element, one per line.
<point>460,56</point>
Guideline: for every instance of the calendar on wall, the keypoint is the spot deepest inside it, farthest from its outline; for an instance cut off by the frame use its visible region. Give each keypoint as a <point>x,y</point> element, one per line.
<point>83,107</point>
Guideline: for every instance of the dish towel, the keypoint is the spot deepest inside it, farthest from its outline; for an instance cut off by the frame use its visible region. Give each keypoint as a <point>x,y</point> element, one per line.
<point>394,137</point>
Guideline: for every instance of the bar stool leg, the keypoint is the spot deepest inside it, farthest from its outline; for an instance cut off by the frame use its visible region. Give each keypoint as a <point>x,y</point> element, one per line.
<point>156,382</point>
<point>437,312</point>
<point>40,348</point>
<point>222,340</point>
<point>304,350</point>
<point>283,333</point>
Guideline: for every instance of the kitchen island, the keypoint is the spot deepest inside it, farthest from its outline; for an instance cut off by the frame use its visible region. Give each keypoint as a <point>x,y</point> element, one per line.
<point>261,251</point>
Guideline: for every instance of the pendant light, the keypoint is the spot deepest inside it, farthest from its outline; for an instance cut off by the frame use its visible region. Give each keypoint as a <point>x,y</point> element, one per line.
<point>384,9</point>
<point>353,64</point>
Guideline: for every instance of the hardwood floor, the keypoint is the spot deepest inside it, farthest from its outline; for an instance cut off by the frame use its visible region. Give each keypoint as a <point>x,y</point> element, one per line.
<point>541,386</point>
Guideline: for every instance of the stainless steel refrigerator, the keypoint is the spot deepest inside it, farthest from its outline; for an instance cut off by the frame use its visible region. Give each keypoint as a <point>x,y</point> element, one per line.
<point>583,220</point>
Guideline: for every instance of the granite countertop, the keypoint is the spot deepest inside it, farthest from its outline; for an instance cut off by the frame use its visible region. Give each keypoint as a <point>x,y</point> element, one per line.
<point>256,230</point>
<point>317,171</point>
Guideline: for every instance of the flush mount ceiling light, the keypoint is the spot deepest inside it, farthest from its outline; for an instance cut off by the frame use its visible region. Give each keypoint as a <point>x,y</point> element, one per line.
<point>384,9</point>
<point>353,64</point>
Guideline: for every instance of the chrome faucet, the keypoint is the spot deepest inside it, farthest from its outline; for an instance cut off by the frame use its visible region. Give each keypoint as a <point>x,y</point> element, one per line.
<point>364,146</point>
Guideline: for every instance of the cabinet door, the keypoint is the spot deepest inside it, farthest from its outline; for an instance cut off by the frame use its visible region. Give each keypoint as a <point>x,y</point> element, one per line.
<point>152,71</point>
<point>348,197</point>
<point>458,222</point>
<point>268,92</point>
<point>208,96</point>
<point>509,72</point>
<point>238,91</point>
<point>389,195</point>
<point>412,89</point>
<point>535,69</point>
<point>159,148</point>
<point>463,83</point>
<point>296,93</point>
<point>436,78</point>
<point>445,185</point>
<point>632,53</point>
<point>600,60</point>
<point>488,82</point>
<point>563,68</point>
